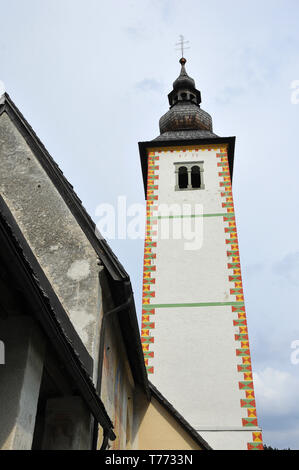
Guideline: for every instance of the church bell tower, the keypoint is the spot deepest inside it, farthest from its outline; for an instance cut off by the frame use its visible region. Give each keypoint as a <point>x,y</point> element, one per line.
<point>194,329</point>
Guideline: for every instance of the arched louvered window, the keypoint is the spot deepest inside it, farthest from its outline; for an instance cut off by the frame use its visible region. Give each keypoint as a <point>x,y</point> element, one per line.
<point>189,176</point>
<point>195,177</point>
<point>183,177</point>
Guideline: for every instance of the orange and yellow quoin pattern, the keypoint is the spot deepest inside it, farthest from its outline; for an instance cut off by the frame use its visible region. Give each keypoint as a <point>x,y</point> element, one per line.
<point>149,268</point>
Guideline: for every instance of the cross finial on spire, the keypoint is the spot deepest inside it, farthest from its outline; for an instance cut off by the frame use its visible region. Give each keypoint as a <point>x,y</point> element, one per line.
<point>182,43</point>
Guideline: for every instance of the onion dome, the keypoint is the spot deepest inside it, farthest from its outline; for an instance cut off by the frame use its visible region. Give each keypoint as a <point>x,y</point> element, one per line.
<point>185,118</point>
<point>183,80</point>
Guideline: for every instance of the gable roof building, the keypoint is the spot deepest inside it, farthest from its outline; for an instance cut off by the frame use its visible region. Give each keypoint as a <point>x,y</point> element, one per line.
<point>74,374</point>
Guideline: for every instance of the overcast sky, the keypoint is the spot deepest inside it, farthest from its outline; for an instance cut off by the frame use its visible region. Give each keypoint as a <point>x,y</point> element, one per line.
<point>92,78</point>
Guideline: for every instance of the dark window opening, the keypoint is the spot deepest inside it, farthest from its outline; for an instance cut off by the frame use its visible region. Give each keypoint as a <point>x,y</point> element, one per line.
<point>183,177</point>
<point>184,96</point>
<point>195,177</point>
<point>55,383</point>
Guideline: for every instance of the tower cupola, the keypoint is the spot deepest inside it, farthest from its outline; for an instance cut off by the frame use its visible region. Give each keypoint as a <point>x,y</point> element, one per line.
<point>185,118</point>
<point>184,88</point>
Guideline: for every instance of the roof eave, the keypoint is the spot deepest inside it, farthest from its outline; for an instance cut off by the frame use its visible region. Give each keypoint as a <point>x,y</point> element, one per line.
<point>119,276</point>
<point>102,249</point>
<point>144,146</point>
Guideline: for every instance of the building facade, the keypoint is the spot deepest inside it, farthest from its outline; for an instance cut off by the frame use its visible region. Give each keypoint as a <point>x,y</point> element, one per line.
<point>194,329</point>
<point>72,372</point>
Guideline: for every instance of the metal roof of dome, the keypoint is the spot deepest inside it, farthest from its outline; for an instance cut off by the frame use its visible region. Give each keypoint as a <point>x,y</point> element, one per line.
<point>185,112</point>
<point>183,80</point>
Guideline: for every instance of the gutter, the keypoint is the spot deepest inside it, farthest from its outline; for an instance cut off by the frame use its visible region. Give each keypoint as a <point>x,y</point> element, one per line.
<point>131,336</point>
<point>118,309</point>
<point>100,371</point>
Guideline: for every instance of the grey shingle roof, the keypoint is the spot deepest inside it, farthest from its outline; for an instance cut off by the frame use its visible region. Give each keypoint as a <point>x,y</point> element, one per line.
<point>186,135</point>
<point>185,115</point>
<point>185,112</point>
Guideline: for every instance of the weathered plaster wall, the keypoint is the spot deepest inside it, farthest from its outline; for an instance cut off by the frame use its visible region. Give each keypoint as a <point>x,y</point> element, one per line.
<point>53,234</point>
<point>117,389</point>
<point>20,379</point>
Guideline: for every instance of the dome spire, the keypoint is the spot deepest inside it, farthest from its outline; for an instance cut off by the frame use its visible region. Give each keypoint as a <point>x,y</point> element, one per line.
<point>183,80</point>
<point>182,45</point>
<point>184,89</point>
<point>185,117</point>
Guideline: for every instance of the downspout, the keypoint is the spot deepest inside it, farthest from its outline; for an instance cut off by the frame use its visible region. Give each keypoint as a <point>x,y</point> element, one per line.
<point>105,440</point>
<point>107,432</point>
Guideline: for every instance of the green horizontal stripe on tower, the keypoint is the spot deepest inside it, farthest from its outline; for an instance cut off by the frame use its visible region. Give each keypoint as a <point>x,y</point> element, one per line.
<point>200,304</point>
<point>230,215</point>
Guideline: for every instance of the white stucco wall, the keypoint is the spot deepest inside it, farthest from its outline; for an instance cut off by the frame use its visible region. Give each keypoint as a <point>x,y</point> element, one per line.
<point>53,234</point>
<point>192,356</point>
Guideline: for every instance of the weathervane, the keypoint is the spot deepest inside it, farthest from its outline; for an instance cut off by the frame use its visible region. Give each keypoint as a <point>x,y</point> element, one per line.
<point>182,44</point>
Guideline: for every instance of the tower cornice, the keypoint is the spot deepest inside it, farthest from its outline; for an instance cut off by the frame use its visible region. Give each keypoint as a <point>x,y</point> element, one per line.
<point>146,147</point>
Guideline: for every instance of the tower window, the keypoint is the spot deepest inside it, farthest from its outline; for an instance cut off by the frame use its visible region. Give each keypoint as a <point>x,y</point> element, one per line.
<point>195,177</point>
<point>183,177</point>
<point>189,175</point>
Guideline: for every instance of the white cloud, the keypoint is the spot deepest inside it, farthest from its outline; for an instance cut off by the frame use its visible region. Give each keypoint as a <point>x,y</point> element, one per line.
<point>289,268</point>
<point>282,439</point>
<point>277,392</point>
<point>277,401</point>
<point>149,84</point>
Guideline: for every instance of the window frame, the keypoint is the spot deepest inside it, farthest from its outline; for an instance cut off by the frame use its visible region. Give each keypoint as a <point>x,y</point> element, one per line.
<point>189,166</point>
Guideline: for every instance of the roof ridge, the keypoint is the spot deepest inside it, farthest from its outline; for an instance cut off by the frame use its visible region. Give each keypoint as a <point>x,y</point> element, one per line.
<point>66,190</point>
